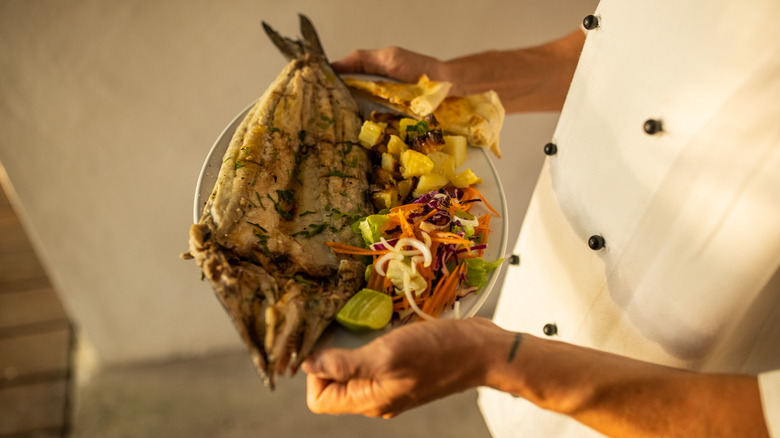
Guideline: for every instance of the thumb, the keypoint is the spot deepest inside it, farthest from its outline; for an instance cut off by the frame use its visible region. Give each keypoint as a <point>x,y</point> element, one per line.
<point>334,364</point>
<point>380,62</point>
<point>358,61</point>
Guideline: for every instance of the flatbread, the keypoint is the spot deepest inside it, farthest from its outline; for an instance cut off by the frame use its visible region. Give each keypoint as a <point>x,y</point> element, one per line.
<point>478,117</point>
<point>418,99</point>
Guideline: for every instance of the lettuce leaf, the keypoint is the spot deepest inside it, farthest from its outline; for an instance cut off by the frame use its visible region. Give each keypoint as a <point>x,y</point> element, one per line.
<point>370,227</point>
<point>478,271</point>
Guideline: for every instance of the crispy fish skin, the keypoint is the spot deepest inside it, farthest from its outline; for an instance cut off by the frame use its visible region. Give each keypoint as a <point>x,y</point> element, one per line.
<point>292,178</point>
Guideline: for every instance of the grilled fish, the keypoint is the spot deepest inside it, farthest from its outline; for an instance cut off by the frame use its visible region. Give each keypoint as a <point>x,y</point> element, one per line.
<point>292,178</point>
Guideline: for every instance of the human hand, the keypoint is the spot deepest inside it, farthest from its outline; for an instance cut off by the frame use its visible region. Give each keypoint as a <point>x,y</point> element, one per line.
<point>391,62</point>
<point>526,79</point>
<point>406,368</point>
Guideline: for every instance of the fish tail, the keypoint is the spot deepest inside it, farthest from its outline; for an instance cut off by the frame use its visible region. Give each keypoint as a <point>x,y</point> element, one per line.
<point>297,49</point>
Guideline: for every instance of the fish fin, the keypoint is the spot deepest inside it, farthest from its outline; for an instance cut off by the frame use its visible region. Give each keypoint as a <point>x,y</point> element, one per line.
<point>290,49</point>
<point>310,37</point>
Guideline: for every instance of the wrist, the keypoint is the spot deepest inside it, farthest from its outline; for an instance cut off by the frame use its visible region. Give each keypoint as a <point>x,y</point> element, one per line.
<point>494,354</point>
<point>504,371</point>
<point>538,370</point>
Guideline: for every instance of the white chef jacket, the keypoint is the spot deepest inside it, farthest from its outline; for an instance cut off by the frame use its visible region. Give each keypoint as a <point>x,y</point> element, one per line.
<point>689,215</point>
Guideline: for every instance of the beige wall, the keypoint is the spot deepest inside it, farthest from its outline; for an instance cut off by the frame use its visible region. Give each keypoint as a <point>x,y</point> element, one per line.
<point>109,107</point>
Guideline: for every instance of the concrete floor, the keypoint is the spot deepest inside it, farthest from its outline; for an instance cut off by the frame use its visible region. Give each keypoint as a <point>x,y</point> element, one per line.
<point>222,396</point>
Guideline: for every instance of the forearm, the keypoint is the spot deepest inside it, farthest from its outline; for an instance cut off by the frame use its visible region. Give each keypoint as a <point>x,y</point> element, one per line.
<point>624,397</point>
<point>528,79</point>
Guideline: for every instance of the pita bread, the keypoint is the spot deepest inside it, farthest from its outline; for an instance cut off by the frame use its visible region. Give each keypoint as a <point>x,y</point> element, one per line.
<point>478,117</point>
<point>418,99</point>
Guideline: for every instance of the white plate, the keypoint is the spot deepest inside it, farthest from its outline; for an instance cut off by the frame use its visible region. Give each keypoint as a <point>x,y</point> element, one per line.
<point>476,158</point>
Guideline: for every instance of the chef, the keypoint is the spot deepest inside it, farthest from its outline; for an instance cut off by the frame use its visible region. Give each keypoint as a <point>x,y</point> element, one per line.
<point>646,299</point>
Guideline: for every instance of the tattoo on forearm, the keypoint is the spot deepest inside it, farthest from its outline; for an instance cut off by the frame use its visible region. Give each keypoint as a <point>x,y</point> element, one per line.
<point>515,344</point>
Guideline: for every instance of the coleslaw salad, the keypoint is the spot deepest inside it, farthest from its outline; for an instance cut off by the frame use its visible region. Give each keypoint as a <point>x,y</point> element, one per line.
<point>427,255</point>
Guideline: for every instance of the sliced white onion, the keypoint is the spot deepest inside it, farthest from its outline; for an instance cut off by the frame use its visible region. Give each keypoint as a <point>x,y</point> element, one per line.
<point>419,246</point>
<point>379,266</point>
<point>420,253</point>
<point>386,245</point>
<point>429,227</point>
<point>427,239</point>
<point>410,298</point>
<point>463,221</point>
<point>415,260</point>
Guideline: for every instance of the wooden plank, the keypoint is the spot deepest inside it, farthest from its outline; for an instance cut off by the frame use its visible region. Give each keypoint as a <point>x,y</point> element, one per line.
<point>12,235</point>
<point>20,268</point>
<point>33,407</point>
<point>22,262</point>
<point>24,283</point>
<point>21,271</point>
<point>36,355</point>
<point>30,307</point>
<point>4,201</point>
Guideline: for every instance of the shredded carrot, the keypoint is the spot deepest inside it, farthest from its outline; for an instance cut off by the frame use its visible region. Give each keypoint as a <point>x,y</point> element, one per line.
<point>428,274</point>
<point>472,190</point>
<point>375,281</point>
<point>443,237</point>
<point>429,215</point>
<point>406,227</point>
<point>400,303</point>
<point>387,285</point>
<point>406,207</point>
<point>456,241</point>
<point>349,249</point>
<point>484,226</point>
<point>460,206</point>
<point>445,293</point>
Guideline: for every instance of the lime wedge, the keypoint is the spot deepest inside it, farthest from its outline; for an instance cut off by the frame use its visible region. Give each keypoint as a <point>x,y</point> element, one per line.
<point>366,310</point>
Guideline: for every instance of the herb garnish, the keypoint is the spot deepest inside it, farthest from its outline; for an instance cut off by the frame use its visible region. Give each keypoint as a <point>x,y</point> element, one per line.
<point>300,279</point>
<point>420,127</point>
<point>258,226</point>
<point>336,214</point>
<point>344,152</point>
<point>286,203</point>
<point>299,157</point>
<point>311,233</point>
<point>263,241</point>
<point>336,172</point>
